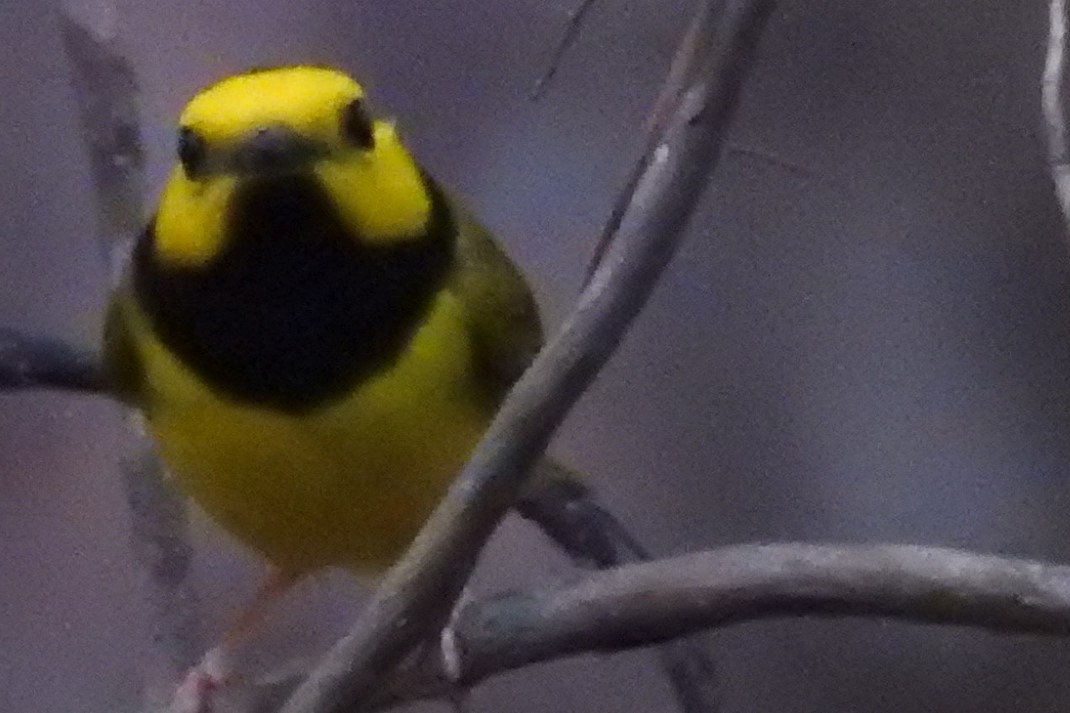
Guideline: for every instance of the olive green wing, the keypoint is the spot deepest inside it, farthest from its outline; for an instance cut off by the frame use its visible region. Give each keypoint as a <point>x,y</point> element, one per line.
<point>503,318</point>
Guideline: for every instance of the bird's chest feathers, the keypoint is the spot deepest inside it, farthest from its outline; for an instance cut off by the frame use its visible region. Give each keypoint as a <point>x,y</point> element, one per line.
<point>293,309</point>
<point>350,482</point>
<point>313,391</point>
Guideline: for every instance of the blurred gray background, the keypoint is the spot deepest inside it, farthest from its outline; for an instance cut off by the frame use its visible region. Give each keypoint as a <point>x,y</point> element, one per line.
<point>872,350</point>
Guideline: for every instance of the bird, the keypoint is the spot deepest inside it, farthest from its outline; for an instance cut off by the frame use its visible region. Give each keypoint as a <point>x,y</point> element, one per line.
<point>314,330</point>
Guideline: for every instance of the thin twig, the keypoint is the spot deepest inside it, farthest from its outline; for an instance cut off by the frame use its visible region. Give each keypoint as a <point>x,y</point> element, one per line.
<point>681,68</point>
<point>768,157</point>
<point>684,61</point>
<point>644,604</point>
<point>568,38</point>
<point>416,592</point>
<point>106,93</point>
<point>1053,107</point>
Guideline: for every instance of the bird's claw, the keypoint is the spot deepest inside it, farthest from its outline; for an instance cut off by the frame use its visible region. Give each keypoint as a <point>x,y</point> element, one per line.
<point>199,690</point>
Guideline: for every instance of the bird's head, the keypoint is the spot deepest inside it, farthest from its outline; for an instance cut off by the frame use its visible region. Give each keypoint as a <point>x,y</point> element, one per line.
<point>281,123</point>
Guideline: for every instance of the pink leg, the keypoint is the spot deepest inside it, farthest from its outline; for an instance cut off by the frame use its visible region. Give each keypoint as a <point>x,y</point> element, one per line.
<point>204,681</point>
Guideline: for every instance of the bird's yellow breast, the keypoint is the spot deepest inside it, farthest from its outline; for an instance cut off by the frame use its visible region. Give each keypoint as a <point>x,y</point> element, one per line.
<point>347,484</point>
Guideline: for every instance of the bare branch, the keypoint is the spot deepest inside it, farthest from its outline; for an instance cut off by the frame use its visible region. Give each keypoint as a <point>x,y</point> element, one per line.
<point>649,602</point>
<point>28,361</point>
<point>644,604</point>
<point>106,92</point>
<point>1053,107</point>
<point>417,592</point>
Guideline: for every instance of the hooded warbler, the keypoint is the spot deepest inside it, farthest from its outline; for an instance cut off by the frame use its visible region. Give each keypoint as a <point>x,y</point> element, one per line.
<point>317,334</point>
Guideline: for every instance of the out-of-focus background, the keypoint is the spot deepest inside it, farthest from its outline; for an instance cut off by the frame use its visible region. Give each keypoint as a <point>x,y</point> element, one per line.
<point>873,349</point>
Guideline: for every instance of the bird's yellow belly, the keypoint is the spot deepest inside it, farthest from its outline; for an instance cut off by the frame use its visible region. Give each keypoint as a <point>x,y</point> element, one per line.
<point>348,484</point>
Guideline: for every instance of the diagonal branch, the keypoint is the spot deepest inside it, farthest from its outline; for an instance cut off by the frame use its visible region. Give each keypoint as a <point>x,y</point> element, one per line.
<point>568,38</point>
<point>417,592</point>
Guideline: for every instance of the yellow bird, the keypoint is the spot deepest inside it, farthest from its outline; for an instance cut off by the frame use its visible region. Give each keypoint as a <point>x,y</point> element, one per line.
<point>316,334</point>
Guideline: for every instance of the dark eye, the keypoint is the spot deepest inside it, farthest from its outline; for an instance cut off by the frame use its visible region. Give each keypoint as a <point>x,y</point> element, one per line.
<point>192,151</point>
<point>357,125</point>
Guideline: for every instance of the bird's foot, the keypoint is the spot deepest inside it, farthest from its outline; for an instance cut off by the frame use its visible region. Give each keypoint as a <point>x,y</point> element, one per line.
<point>199,691</point>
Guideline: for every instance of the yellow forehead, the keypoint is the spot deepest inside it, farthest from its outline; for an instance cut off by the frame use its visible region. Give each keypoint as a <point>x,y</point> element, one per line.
<point>307,99</point>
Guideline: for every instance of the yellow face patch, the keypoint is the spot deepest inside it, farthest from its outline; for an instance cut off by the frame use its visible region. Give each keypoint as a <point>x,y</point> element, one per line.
<point>380,195</point>
<point>191,218</point>
<point>377,190</point>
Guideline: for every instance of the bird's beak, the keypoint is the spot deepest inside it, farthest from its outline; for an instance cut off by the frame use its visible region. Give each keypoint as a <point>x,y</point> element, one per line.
<point>273,150</point>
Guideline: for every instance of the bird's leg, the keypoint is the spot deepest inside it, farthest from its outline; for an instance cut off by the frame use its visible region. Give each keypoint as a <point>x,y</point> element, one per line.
<point>214,671</point>
<point>278,582</point>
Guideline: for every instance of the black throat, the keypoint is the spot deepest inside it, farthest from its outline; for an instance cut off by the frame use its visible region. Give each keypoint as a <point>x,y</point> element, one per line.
<point>294,309</point>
